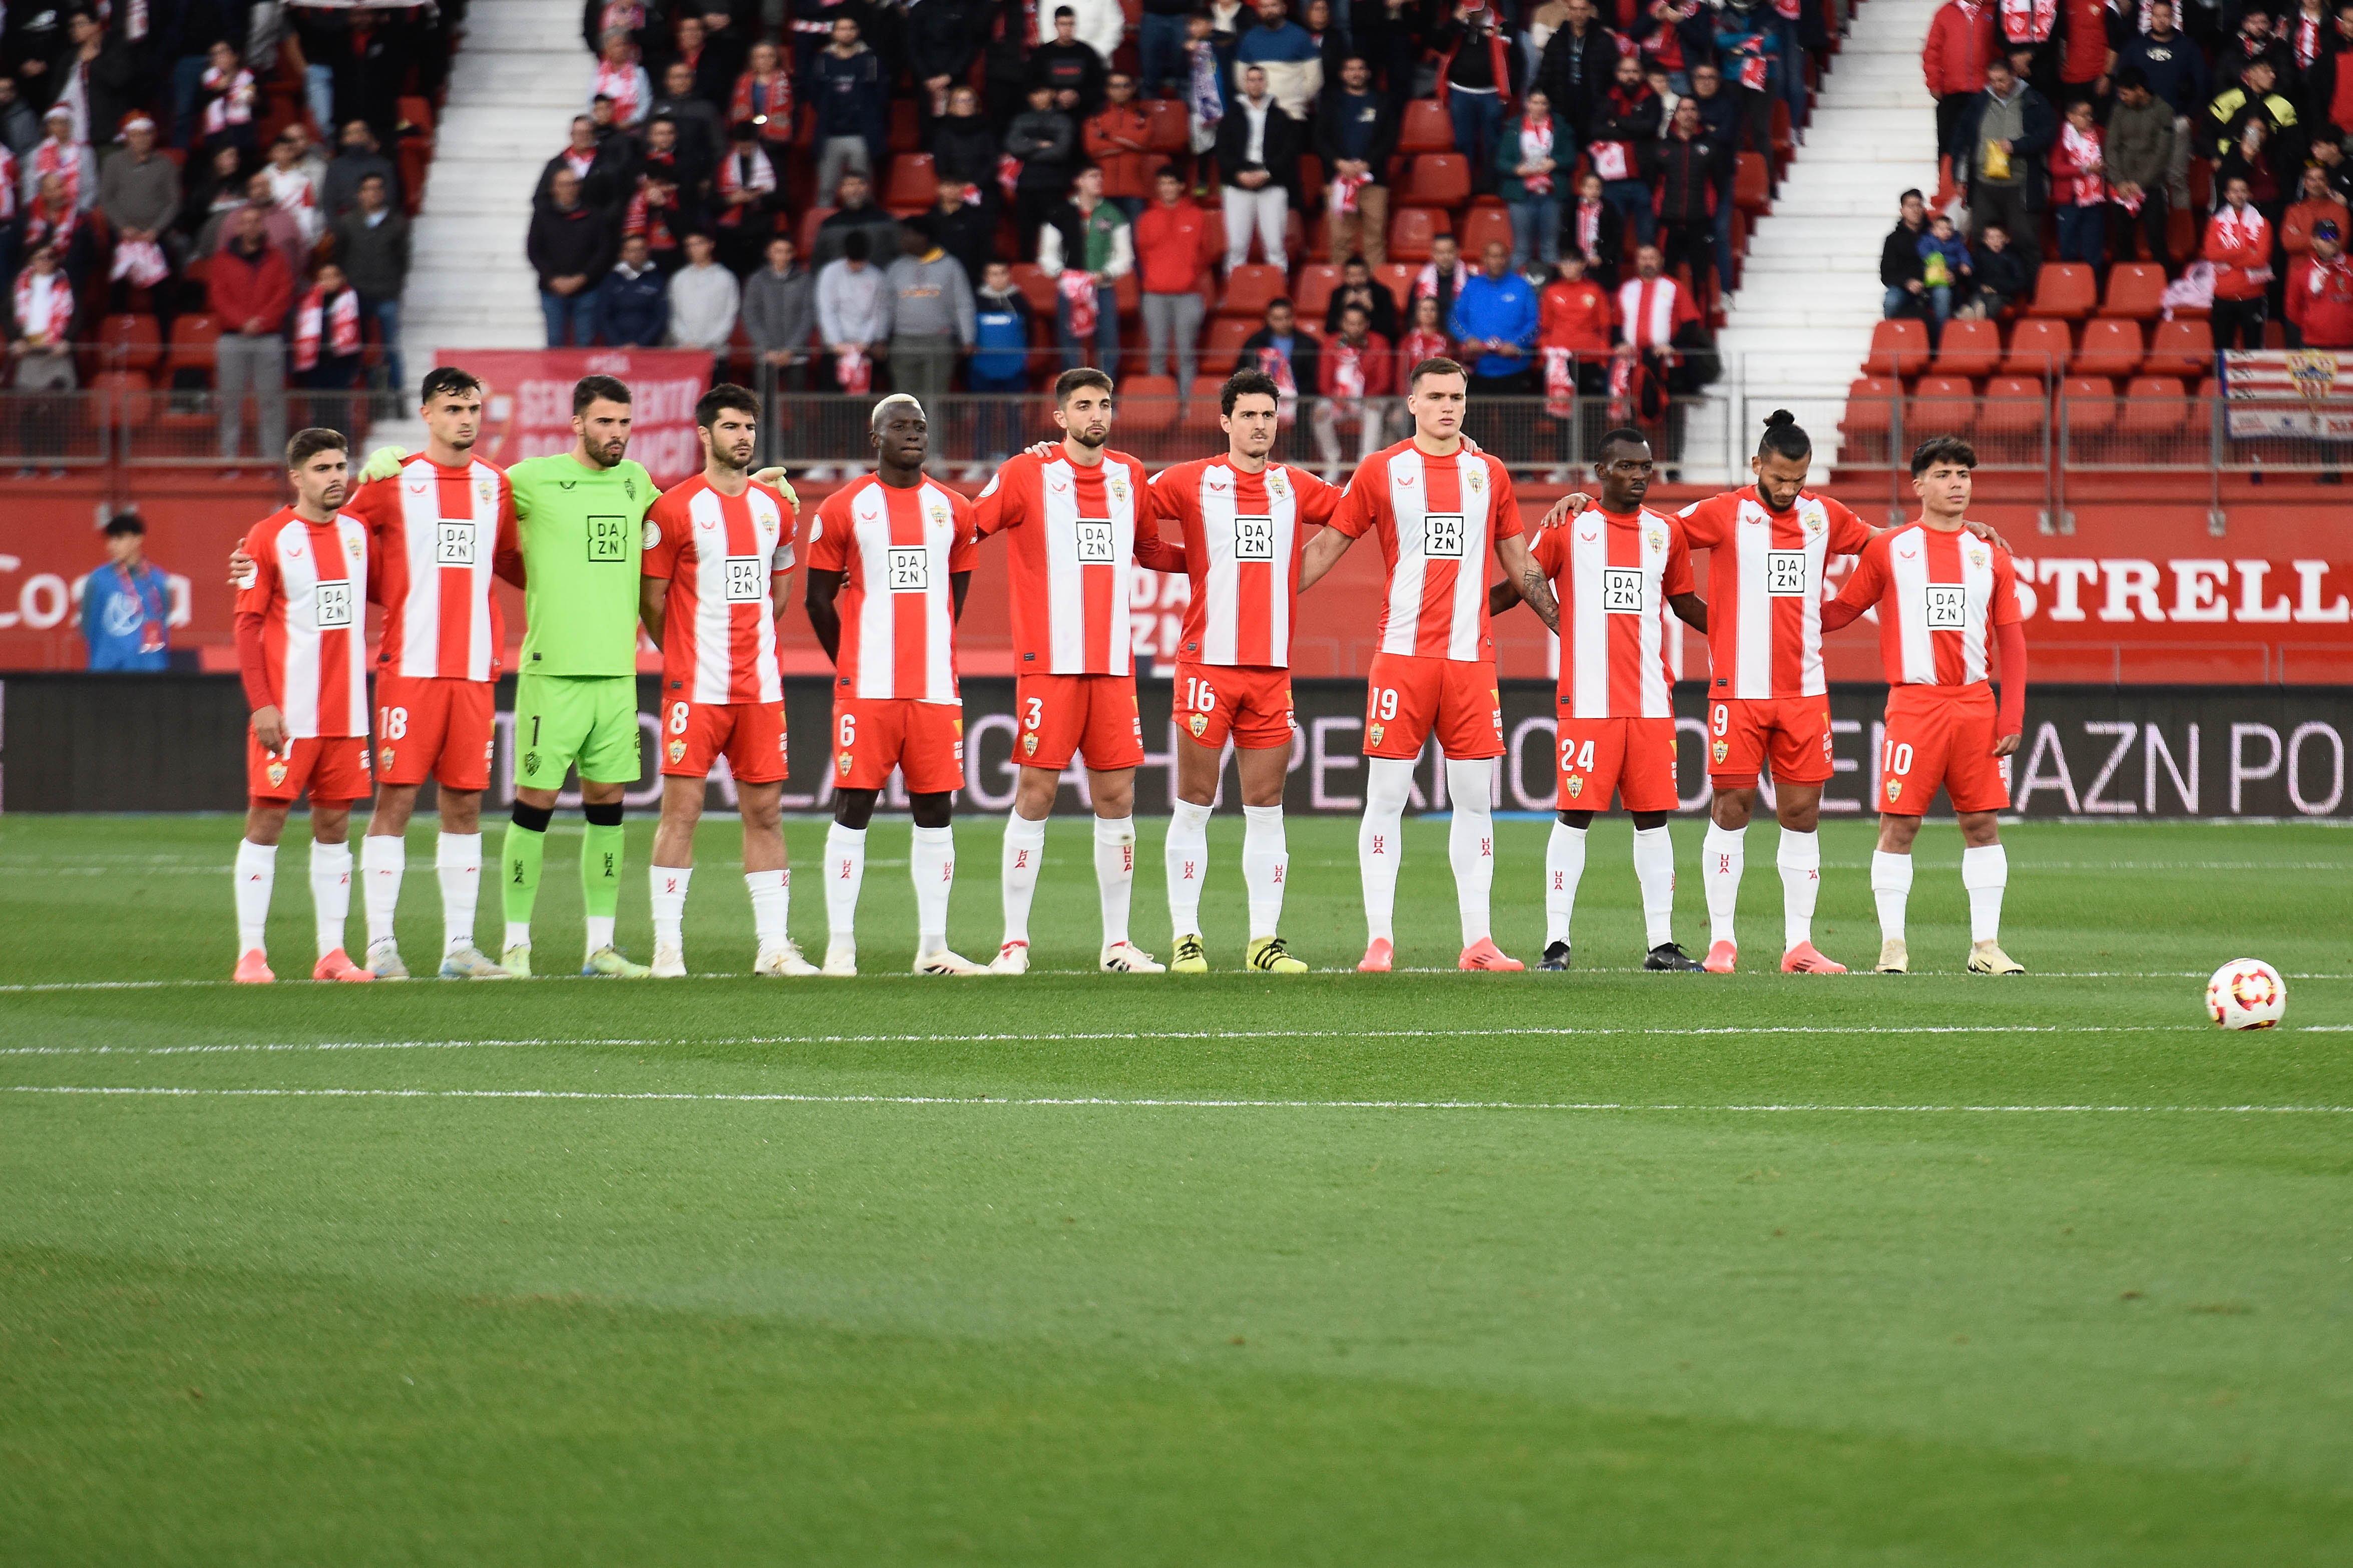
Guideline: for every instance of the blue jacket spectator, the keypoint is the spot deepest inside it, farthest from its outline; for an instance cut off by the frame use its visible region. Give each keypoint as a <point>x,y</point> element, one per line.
<point>126,605</point>
<point>1001,355</point>
<point>1496,305</point>
<point>633,301</point>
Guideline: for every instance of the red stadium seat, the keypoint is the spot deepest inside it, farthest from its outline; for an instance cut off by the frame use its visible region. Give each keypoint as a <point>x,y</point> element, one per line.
<point>1147,403</point>
<point>2014,405</point>
<point>1968,348</point>
<point>130,342</point>
<point>1313,292</point>
<point>1202,407</point>
<point>2136,291</point>
<point>1898,348</point>
<point>2037,348</point>
<point>1482,226</point>
<point>1940,405</point>
<point>1222,346</point>
<point>906,129</point>
<point>1249,290</point>
<point>1171,133</point>
<point>1037,288</point>
<point>912,185</point>
<point>1427,128</point>
<point>1437,180</point>
<point>2090,405</point>
<point>1871,406</point>
<point>1399,278</point>
<point>192,337</point>
<point>1751,186</point>
<point>1411,230</point>
<point>2065,290</point>
<point>2110,348</point>
<point>2155,406</point>
<point>2185,349</point>
<point>809,221</point>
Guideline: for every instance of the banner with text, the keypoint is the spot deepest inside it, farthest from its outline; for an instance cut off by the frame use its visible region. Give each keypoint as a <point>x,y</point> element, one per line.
<point>528,413</point>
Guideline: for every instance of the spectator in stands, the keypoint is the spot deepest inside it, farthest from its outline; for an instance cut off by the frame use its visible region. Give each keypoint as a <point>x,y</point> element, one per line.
<point>1425,337</point>
<point>942,40</point>
<point>1258,154</point>
<point>2316,203</point>
<point>252,289</point>
<point>696,118</point>
<point>2085,52</point>
<point>1579,64</point>
<point>227,95</point>
<point>2002,276</point>
<point>40,338</point>
<point>1174,252</point>
<point>1330,39</point>
<point>293,187</point>
<point>1000,365</point>
<point>1356,133</point>
<point>1658,327</point>
<point>20,128</point>
<point>218,189</point>
<point>704,302</point>
<point>2006,136</point>
<point>1101,25</point>
<point>1044,140</point>
<point>371,242</point>
<point>780,314</point>
<point>1900,271</point>
<point>1687,170</point>
<point>2255,41</point>
<point>1531,159</point>
<point>1496,319</point>
<point>1476,85</point>
<point>621,78</point>
<point>2175,73</point>
<point>711,61</point>
<point>2320,292</point>
<point>965,149</point>
<point>853,316</point>
<point>1074,69</point>
<point>1627,118</point>
<point>632,306</point>
<point>1118,140</point>
<point>744,200</point>
<point>97,75</point>
<point>1441,278</point>
<point>2328,80</point>
<point>2252,127</point>
<point>2027,32</point>
<point>763,98</point>
<point>929,307</point>
<point>1086,245</point>
<point>1358,286</point>
<point>1748,49</point>
<point>2137,150</point>
<point>326,322</point>
<point>357,155</point>
<point>1292,61</point>
<point>126,605</point>
<point>2079,188</point>
<point>965,230</point>
<point>50,218</point>
<point>1960,41</point>
<point>1357,372</point>
<point>1205,91</point>
<point>1573,316</point>
<point>851,92</point>
<point>139,191</point>
<point>182,33</point>
<point>1285,353</point>
<point>571,248</point>
<point>1160,45</point>
<point>1945,269</point>
<point>854,210</point>
<point>2309,29</point>
<point>1591,227</point>
<point>276,221</point>
<point>70,161</point>
<point>2238,248</point>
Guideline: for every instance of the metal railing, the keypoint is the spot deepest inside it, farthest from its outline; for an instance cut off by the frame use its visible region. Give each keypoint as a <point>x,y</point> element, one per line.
<point>111,428</point>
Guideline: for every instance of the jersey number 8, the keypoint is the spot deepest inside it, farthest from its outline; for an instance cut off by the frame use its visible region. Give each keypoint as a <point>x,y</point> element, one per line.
<point>678,715</point>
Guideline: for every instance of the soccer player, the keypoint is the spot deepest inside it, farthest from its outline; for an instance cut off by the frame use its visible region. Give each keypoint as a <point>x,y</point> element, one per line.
<point>579,520</point>
<point>1071,540</point>
<point>1943,595</point>
<point>889,558</point>
<point>715,580</point>
<point>301,645</point>
<point>1615,570</point>
<point>1245,522</point>
<point>1437,510</point>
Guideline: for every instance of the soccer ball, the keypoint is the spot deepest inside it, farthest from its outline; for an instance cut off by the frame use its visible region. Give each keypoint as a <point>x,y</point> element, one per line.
<point>2246,994</point>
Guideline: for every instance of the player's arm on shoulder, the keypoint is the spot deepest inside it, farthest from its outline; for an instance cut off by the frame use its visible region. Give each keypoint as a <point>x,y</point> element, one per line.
<point>1573,504</point>
<point>383,463</point>
<point>997,508</point>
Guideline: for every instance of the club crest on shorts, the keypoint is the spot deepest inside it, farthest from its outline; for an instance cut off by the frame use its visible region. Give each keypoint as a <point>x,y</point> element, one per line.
<point>844,763</point>
<point>277,771</point>
<point>1720,751</point>
<point>677,753</point>
<point>1199,724</point>
<point>1575,785</point>
<point>1373,733</point>
<point>530,762</point>
<point>1894,789</point>
<point>1029,745</point>
<point>385,757</point>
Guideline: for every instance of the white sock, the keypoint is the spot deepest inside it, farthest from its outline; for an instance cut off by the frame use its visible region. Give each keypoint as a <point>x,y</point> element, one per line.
<point>1985,872</point>
<point>771,902</point>
<point>845,876</point>
<point>1266,861</point>
<point>1891,890</point>
<point>381,859</point>
<point>931,861</point>
<point>1185,857</point>
<point>1800,857</point>
<point>1380,842</point>
<point>518,935</point>
<point>1024,853</point>
<point>600,934</point>
<point>458,863</point>
<point>667,885</point>
<point>1470,843</point>
<point>256,872</point>
<point>1563,868</point>
<point>1654,872</point>
<point>331,892</point>
<point>1114,874</point>
<point>1722,857</point>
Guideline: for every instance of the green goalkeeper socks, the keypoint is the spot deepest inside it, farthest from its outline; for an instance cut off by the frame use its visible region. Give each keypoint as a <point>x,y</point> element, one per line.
<point>600,870</point>
<point>521,856</point>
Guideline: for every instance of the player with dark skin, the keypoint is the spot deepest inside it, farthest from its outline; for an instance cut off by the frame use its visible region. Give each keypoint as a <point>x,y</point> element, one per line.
<point>902,440</point>
<point>1625,469</point>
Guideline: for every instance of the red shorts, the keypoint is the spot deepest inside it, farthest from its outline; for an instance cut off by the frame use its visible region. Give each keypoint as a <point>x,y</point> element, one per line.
<point>1250,703</point>
<point>333,768</point>
<point>1941,735</point>
<point>874,735</point>
<point>1635,757</point>
<point>750,736</point>
<point>1410,694</point>
<point>1093,716</point>
<point>1794,733</point>
<point>428,726</point>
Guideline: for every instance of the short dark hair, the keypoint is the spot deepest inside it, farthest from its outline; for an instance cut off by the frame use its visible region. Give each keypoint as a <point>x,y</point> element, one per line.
<point>1356,261</point>
<point>590,389</point>
<point>308,444</point>
<point>1243,384</point>
<point>1938,449</point>
<point>444,379</point>
<point>855,247</point>
<point>726,397</point>
<point>124,523</point>
<point>1356,308</point>
<point>2131,76</point>
<point>1440,365</point>
<point>1783,439</point>
<point>1625,435</point>
<point>1280,301</point>
<point>1911,196</point>
<point>1071,381</point>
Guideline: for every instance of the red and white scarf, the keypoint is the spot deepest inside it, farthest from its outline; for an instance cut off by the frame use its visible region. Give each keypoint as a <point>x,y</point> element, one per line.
<point>2027,21</point>
<point>1077,287</point>
<point>291,193</point>
<point>625,85</point>
<point>2242,230</point>
<point>1425,282</point>
<point>1417,346</point>
<point>45,226</point>
<point>579,163</point>
<point>1343,191</point>
<point>44,307</point>
<point>1648,306</point>
<point>620,16</point>
<point>770,95</point>
<point>2083,154</point>
<point>732,179</point>
<point>62,158</point>
<point>1348,370</point>
<point>2308,40</point>
<point>1286,385</point>
<point>340,320</point>
<point>1008,173</point>
<point>1560,383</point>
<point>1588,228</point>
<point>141,261</point>
<point>8,185</point>
<point>1756,71</point>
<point>233,100</point>
<point>1535,142</point>
<point>855,372</point>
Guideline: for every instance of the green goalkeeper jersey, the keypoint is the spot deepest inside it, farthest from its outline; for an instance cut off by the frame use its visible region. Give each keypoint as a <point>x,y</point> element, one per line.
<point>581,530</point>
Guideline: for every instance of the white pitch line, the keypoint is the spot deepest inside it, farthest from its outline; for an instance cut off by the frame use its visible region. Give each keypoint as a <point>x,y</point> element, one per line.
<point>25,988</point>
<point>1168,1104</point>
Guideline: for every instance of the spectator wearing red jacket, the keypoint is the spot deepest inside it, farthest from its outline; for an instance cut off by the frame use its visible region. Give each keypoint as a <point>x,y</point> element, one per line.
<point>252,289</point>
<point>1960,41</point>
<point>1174,251</point>
<point>1118,140</point>
<point>2239,247</point>
<point>1355,373</point>
<point>2320,292</point>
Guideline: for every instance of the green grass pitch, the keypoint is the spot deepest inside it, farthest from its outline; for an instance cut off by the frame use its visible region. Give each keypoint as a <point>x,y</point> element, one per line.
<point>1608,1268</point>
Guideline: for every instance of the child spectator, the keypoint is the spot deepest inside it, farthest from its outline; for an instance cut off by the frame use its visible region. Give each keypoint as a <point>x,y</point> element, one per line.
<point>2003,277</point>
<point>999,367</point>
<point>327,334</point>
<point>2079,187</point>
<point>1946,266</point>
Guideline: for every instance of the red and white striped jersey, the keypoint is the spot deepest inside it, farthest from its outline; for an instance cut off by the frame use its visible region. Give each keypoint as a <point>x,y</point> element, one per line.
<point>1939,595</point>
<point>1764,588</point>
<point>434,533</point>
<point>1613,575</point>
<point>1436,518</point>
<point>310,587</point>
<point>896,549</point>
<point>1243,536</point>
<point>1070,541</point>
<point>720,553</point>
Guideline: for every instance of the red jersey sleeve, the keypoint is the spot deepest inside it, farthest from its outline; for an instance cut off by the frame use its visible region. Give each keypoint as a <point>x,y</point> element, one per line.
<point>667,529</point>
<point>261,543</point>
<point>1508,502</point>
<point>1868,583</point>
<point>1849,533</point>
<point>786,536</point>
<point>367,504</point>
<point>1702,523</point>
<point>1319,501</point>
<point>964,554</point>
<point>1677,578</point>
<point>252,612</point>
<point>1360,508</point>
<point>2005,607</point>
<point>1000,503</point>
<point>509,545</point>
<point>828,544</point>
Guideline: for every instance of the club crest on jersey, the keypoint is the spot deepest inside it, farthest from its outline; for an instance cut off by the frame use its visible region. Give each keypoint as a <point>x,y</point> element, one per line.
<point>1575,785</point>
<point>1894,789</point>
<point>1977,556</point>
<point>351,547</point>
<point>677,753</point>
<point>1720,751</point>
<point>1118,489</point>
<point>1373,733</point>
<point>1475,480</point>
<point>1655,540</point>
<point>1815,524</point>
<point>484,491</point>
<point>629,488</point>
<point>384,758</point>
<point>1029,745</point>
<point>1274,481</point>
<point>1199,724</point>
<point>939,513</point>
<point>277,771</point>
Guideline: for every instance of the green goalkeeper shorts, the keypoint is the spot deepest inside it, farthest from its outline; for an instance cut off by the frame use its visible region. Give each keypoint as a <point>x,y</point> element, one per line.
<point>591,719</point>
